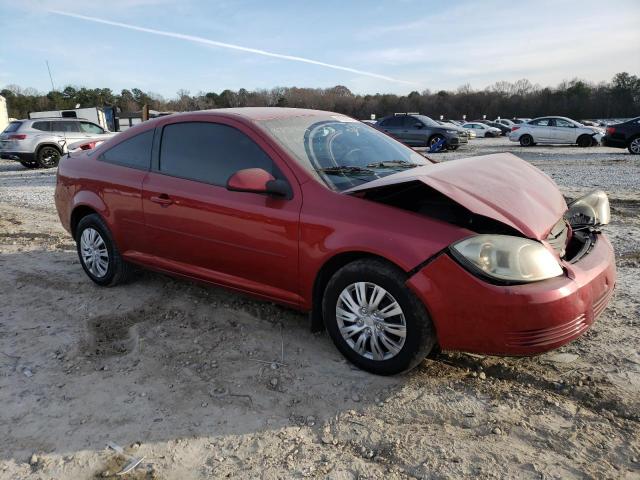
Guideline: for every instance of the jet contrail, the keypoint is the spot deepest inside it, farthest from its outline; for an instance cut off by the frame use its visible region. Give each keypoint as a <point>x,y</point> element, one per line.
<point>206,41</point>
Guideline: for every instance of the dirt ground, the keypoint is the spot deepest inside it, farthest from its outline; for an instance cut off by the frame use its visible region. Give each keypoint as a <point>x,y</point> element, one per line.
<point>204,383</point>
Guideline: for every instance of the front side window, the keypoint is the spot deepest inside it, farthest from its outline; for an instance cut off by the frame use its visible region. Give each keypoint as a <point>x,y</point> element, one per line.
<point>564,123</point>
<point>209,152</point>
<point>395,121</point>
<point>88,127</point>
<point>65,127</point>
<point>543,122</point>
<point>341,151</point>
<point>135,152</point>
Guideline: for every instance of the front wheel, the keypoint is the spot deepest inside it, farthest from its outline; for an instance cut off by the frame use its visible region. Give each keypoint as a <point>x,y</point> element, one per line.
<point>98,253</point>
<point>375,321</point>
<point>585,141</point>
<point>437,143</point>
<point>634,146</point>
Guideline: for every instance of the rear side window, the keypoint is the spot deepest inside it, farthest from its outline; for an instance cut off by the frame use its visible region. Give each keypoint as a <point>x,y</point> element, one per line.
<point>135,152</point>
<point>209,152</point>
<point>65,127</point>
<point>43,126</point>
<point>12,127</point>
<point>395,121</point>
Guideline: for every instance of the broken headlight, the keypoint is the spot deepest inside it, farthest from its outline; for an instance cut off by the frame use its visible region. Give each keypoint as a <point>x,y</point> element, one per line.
<point>507,258</point>
<point>592,209</point>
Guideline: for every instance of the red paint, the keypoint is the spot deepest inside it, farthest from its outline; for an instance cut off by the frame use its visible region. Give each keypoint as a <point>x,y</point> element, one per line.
<point>249,180</point>
<point>274,247</point>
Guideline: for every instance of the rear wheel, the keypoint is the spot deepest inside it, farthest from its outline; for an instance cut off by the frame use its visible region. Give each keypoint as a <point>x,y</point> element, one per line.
<point>375,321</point>
<point>526,140</point>
<point>48,156</point>
<point>99,254</point>
<point>585,141</point>
<point>634,146</point>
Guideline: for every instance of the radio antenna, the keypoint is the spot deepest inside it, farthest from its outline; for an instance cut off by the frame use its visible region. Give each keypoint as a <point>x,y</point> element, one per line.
<point>53,88</point>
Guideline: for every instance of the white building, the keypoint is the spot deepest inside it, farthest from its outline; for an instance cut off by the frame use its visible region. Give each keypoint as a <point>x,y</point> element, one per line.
<point>4,116</point>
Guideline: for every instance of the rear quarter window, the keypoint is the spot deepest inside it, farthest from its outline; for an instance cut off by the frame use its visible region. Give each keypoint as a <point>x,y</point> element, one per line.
<point>12,127</point>
<point>134,152</point>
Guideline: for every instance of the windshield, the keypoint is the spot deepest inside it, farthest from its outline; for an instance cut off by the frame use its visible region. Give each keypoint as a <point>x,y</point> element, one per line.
<point>341,151</point>
<point>429,122</point>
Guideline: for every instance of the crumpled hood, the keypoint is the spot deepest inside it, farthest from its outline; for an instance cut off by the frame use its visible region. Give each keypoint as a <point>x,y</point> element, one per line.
<point>500,186</point>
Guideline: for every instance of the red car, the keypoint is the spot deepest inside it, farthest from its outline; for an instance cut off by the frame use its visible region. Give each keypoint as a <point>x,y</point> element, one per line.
<point>391,253</point>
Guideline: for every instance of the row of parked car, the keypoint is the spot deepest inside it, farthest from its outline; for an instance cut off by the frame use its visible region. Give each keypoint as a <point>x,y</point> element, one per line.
<point>422,131</point>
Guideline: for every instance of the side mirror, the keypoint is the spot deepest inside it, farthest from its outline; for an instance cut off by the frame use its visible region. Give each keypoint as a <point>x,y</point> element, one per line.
<point>257,180</point>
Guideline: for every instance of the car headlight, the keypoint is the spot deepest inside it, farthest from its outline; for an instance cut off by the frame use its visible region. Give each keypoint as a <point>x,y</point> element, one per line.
<point>453,132</point>
<point>592,209</point>
<point>507,258</point>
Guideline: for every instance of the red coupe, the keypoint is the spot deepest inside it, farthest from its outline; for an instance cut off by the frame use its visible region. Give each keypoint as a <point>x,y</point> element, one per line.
<point>391,253</point>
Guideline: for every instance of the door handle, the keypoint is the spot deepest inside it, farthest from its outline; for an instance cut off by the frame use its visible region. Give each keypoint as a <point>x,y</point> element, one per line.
<point>162,199</point>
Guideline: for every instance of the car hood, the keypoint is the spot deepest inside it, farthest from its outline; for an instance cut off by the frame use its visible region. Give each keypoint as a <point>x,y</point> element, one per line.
<point>499,186</point>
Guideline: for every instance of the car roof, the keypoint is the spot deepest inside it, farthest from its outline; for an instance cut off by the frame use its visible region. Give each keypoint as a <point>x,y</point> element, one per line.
<point>261,113</point>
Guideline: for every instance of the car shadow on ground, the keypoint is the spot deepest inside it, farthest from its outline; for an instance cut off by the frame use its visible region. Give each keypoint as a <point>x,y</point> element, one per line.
<point>155,360</point>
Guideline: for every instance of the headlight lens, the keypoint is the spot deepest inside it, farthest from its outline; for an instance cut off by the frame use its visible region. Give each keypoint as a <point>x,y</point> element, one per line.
<point>508,258</point>
<point>452,131</point>
<point>592,209</point>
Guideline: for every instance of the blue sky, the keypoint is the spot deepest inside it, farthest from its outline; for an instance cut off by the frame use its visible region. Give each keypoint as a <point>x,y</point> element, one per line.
<point>369,46</point>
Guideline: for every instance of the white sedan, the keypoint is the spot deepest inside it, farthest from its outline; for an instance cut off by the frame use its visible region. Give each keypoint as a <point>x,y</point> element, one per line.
<point>482,130</point>
<point>560,130</point>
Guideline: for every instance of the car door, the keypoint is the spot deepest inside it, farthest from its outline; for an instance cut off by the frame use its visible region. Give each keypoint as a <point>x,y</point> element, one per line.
<point>248,241</point>
<point>91,130</point>
<point>68,130</point>
<point>395,127</point>
<point>564,131</point>
<point>414,132</point>
<point>541,130</point>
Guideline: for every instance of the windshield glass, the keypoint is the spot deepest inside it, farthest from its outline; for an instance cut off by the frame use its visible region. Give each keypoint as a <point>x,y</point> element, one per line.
<point>429,122</point>
<point>343,152</point>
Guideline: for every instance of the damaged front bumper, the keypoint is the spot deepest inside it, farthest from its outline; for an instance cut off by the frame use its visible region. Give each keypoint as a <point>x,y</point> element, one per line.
<point>472,315</point>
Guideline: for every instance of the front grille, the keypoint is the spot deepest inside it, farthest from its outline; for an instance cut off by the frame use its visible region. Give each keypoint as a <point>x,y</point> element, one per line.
<point>557,238</point>
<point>546,336</point>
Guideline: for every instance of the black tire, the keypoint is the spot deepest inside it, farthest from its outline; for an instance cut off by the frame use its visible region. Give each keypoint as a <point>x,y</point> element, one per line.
<point>420,332</point>
<point>634,145</point>
<point>48,156</point>
<point>28,164</point>
<point>585,141</point>
<point>435,139</point>
<point>118,270</point>
<point>526,140</point>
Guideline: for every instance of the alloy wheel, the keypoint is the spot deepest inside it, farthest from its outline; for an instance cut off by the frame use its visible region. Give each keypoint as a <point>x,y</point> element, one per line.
<point>371,321</point>
<point>49,157</point>
<point>634,146</point>
<point>94,252</point>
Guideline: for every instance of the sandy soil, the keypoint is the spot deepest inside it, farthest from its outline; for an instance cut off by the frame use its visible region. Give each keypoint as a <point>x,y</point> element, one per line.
<point>205,383</point>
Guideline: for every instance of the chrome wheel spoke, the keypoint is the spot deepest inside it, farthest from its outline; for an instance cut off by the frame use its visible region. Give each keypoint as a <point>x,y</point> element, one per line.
<point>377,295</point>
<point>391,310</point>
<point>351,330</point>
<point>348,301</point>
<point>390,344</point>
<point>376,349</point>
<point>397,330</point>
<point>359,345</point>
<point>361,294</point>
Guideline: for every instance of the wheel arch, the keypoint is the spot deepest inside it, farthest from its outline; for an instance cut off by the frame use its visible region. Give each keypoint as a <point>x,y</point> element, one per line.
<point>77,214</point>
<point>326,271</point>
<point>47,144</point>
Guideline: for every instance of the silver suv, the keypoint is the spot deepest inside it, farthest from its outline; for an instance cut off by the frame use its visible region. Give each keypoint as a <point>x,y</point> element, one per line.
<point>41,142</point>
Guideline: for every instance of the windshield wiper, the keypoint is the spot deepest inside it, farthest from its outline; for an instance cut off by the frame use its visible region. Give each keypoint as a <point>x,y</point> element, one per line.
<point>392,164</point>
<point>344,170</point>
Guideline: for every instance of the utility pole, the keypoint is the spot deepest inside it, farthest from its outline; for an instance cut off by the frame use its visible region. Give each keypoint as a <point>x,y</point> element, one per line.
<point>53,88</point>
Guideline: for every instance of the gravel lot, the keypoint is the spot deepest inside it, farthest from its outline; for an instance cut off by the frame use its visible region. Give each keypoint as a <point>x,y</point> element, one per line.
<point>206,383</point>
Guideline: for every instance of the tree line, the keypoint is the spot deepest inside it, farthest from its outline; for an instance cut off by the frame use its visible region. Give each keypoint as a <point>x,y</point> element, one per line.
<point>579,99</point>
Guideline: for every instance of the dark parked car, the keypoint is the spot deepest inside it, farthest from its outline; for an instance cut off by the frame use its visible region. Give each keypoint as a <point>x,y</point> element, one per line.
<point>624,135</point>
<point>421,131</point>
<point>503,128</point>
<point>320,212</point>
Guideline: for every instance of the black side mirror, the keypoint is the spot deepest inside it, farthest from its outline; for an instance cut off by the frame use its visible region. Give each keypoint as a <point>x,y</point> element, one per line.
<point>279,188</point>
